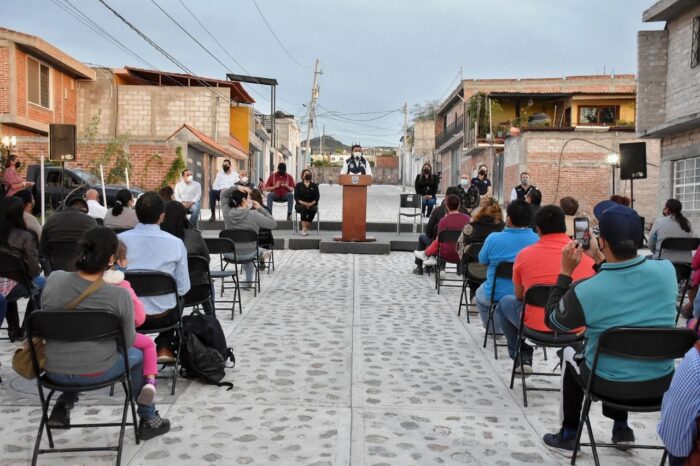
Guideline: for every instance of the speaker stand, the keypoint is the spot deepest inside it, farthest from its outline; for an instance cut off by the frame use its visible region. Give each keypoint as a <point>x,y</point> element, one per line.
<point>632,193</point>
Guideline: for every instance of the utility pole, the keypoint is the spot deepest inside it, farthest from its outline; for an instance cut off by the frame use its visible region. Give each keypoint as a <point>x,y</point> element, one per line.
<point>312,114</point>
<point>405,145</point>
<point>320,149</point>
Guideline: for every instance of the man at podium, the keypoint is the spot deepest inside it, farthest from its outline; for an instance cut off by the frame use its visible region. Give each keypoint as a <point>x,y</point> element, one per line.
<point>356,164</point>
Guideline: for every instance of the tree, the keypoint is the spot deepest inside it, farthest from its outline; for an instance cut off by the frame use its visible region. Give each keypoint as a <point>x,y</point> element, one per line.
<point>478,111</point>
<point>425,111</point>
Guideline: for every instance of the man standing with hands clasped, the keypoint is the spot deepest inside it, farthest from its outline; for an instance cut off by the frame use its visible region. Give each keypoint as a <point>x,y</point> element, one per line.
<point>280,188</point>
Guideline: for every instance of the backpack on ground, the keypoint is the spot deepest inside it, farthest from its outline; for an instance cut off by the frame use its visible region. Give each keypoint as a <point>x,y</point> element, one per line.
<point>204,351</point>
<point>473,197</point>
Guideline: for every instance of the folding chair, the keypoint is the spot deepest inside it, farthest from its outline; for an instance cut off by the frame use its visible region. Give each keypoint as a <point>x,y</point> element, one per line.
<point>410,201</point>
<point>646,344</point>
<point>13,268</point>
<point>267,241</point>
<point>70,327</point>
<point>474,273</point>
<point>62,254</point>
<point>243,240</point>
<point>683,274</point>
<point>223,246</point>
<point>503,270</point>
<point>446,239</point>
<point>537,295</point>
<point>150,284</point>
<point>200,293</point>
<point>679,244</point>
<point>317,219</point>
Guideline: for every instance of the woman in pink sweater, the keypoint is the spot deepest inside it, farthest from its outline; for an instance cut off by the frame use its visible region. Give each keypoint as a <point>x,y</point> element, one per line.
<point>142,342</point>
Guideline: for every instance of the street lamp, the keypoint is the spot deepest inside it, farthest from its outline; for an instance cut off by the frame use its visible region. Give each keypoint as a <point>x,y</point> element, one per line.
<point>613,161</point>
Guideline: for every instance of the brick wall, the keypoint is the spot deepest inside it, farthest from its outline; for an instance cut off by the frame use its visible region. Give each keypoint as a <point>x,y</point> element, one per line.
<point>387,162</point>
<point>682,81</point>
<point>652,54</point>
<point>4,80</point>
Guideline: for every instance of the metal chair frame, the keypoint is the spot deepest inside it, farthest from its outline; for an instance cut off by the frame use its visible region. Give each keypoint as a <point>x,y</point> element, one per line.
<point>244,237</point>
<point>471,253</point>
<point>223,246</point>
<point>503,270</point>
<point>13,268</point>
<point>317,219</point>
<point>410,201</point>
<point>193,298</point>
<point>446,236</point>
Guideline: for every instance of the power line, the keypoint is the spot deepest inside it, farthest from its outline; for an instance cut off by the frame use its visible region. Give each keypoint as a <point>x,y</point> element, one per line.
<point>449,88</point>
<point>341,117</point>
<point>277,38</point>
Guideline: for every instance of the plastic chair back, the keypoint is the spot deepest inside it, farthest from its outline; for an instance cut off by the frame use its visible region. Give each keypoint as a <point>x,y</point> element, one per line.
<point>219,245</point>
<point>537,295</point>
<point>680,244</point>
<point>74,326</point>
<point>410,201</point>
<point>62,254</point>
<point>200,291</point>
<point>148,283</point>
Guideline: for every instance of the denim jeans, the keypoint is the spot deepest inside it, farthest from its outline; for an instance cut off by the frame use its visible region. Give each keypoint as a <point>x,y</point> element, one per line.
<point>423,242</point>
<point>483,303</point>
<point>507,317</point>
<point>288,198</point>
<point>68,399</point>
<point>428,205</point>
<point>194,215</point>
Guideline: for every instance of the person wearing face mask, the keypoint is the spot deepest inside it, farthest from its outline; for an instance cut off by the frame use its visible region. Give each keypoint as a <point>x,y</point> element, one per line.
<point>426,186</point>
<point>356,164</point>
<point>244,180</point>
<point>122,214</point>
<point>482,182</point>
<point>280,188</point>
<point>468,194</point>
<point>189,193</point>
<point>224,179</point>
<point>520,191</point>
<point>306,195</point>
<point>13,180</point>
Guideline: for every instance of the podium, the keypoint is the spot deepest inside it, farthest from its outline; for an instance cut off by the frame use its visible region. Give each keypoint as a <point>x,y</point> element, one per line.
<point>354,207</point>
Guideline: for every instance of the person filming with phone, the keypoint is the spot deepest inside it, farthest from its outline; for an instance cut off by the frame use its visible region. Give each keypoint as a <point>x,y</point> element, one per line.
<point>280,188</point>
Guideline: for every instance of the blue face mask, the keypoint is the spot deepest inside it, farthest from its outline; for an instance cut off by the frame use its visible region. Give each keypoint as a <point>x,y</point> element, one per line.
<point>119,268</point>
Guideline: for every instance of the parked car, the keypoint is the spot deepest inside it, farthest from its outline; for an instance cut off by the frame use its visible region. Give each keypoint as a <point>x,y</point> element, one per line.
<point>65,184</point>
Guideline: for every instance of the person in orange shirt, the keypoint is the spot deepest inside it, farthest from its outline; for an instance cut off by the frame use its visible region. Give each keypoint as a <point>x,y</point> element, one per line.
<point>537,264</point>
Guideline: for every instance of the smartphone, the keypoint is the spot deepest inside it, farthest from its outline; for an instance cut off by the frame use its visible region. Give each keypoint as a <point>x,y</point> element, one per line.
<point>582,233</point>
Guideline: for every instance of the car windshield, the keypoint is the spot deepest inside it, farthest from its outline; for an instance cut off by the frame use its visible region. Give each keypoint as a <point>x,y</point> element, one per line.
<point>86,177</point>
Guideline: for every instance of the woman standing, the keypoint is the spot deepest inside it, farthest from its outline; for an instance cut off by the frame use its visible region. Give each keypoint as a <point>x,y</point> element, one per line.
<point>13,180</point>
<point>122,214</point>
<point>426,186</point>
<point>306,195</point>
<point>673,224</point>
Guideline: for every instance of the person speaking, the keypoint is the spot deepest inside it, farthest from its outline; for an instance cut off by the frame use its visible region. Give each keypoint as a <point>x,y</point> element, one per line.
<point>356,164</point>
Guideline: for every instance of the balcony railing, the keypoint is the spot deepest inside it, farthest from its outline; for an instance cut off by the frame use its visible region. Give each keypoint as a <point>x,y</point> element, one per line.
<point>454,128</point>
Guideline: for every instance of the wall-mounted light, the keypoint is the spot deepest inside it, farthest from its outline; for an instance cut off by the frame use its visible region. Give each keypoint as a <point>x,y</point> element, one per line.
<point>614,159</point>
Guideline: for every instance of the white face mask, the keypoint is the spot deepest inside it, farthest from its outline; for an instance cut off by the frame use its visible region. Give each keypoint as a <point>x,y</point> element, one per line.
<point>244,179</point>
<point>189,179</point>
<point>464,182</point>
<point>357,155</point>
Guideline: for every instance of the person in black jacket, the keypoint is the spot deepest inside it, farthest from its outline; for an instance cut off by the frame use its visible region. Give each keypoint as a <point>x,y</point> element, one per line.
<point>426,186</point>
<point>306,196</point>
<point>487,219</point>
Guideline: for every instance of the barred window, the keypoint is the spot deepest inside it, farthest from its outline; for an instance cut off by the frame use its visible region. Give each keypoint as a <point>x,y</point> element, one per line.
<point>695,54</point>
<point>686,182</point>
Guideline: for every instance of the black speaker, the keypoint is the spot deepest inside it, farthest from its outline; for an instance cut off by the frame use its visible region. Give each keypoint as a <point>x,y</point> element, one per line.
<point>633,160</point>
<point>62,142</point>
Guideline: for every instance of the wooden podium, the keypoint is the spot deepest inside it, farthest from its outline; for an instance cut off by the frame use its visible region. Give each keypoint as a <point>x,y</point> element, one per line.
<point>354,207</point>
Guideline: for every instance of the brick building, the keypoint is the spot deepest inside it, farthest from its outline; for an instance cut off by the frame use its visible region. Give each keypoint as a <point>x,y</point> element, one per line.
<point>669,99</point>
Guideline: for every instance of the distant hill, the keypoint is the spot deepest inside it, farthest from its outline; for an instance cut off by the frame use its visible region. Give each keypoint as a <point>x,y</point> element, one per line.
<point>330,144</point>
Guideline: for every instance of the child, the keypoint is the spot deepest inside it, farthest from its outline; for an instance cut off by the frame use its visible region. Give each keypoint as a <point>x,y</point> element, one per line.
<point>142,342</point>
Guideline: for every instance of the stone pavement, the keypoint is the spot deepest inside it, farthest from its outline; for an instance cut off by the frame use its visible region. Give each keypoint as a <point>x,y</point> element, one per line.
<point>342,360</point>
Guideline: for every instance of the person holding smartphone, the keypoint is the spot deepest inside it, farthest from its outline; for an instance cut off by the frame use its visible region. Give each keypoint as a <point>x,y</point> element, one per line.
<point>280,188</point>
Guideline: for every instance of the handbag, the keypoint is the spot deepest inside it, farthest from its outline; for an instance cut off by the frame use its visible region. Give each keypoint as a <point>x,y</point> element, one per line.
<point>22,359</point>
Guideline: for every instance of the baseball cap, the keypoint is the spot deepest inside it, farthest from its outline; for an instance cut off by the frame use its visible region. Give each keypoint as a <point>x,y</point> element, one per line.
<point>602,207</point>
<point>619,223</point>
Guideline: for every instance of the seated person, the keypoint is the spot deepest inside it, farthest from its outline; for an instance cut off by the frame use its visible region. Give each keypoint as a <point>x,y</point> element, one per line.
<point>67,224</point>
<point>570,207</point>
<point>280,188</point>
<point>534,198</point>
<point>189,193</point>
<point>266,239</point>
<point>537,264</point>
<point>244,180</point>
<point>673,224</point>
<point>503,247</point>
<point>88,362</point>
<point>306,195</point>
<point>627,291</point>
<point>454,220</point>
<point>167,193</point>
<point>426,185</point>
<point>224,179</point>
<point>29,218</point>
<point>122,215</point>
<point>95,209</point>
<point>488,218</point>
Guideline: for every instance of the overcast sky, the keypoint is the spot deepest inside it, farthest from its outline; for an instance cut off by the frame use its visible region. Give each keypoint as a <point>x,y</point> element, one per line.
<point>375,54</point>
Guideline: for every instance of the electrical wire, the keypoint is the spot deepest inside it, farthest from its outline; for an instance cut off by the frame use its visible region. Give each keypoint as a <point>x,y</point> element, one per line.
<point>449,88</point>
<point>272,31</point>
<point>338,115</point>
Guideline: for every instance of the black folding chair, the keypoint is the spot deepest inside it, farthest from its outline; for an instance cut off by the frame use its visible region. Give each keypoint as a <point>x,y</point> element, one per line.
<point>149,284</point>
<point>73,327</point>
<point>199,293</point>
<point>61,254</point>
<point>267,241</point>
<point>503,270</point>
<point>447,239</point>
<point>223,246</point>
<point>537,295</point>
<point>683,273</point>
<point>410,201</point>
<point>13,268</point>
<point>120,230</point>
<point>474,275</point>
<point>243,240</point>
<point>679,244</point>
<point>645,344</point>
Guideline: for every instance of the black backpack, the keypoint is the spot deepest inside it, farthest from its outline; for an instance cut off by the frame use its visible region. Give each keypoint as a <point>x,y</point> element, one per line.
<point>204,353</point>
<point>473,197</point>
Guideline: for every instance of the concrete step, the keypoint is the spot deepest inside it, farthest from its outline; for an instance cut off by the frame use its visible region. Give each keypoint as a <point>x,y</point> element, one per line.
<point>376,227</point>
<point>339,247</point>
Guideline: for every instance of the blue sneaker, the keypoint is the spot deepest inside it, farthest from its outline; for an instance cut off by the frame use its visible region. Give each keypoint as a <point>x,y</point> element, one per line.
<point>559,444</point>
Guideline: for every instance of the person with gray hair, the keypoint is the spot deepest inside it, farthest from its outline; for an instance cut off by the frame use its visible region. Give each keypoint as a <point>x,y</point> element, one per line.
<point>95,209</point>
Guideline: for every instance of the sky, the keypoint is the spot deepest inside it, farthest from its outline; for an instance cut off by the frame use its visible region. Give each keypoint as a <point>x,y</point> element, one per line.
<point>375,55</point>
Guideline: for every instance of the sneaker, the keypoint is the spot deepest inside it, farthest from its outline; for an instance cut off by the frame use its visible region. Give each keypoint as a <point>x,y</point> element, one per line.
<point>148,395</point>
<point>166,356</point>
<point>431,261</point>
<point>212,219</point>
<point>289,217</point>
<point>557,443</point>
<point>526,369</point>
<point>623,437</point>
<point>421,255</point>
<point>60,416</point>
<point>418,270</point>
<point>149,428</point>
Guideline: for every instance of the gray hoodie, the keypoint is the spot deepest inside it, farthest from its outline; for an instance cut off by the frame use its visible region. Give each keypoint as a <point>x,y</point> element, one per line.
<point>668,227</point>
<point>244,219</point>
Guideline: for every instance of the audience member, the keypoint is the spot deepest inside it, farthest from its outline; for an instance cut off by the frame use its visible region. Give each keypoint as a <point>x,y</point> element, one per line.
<point>189,193</point>
<point>265,238</point>
<point>680,410</point>
<point>468,198</point>
<point>224,179</point>
<point>175,222</point>
<point>245,181</point>
<point>67,224</point>
<point>280,187</point>
<point>482,182</point>
<point>167,193</point>
<point>150,248</point>
<point>622,200</point>
<point>537,264</point>
<point>453,220</point>
<point>627,291</point>
<point>534,198</point>
<point>122,214</point>
<point>687,310</point>
<point>570,207</point>
<point>503,247</point>
<point>13,180</point>
<point>521,190</point>
<point>86,363</point>
<point>426,185</point>
<point>95,209</point>
<point>673,224</point>
<point>17,241</point>
<point>30,220</point>
<point>306,196</point>
<point>241,213</point>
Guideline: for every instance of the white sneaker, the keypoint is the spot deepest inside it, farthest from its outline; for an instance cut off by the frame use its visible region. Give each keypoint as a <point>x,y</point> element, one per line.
<point>266,255</point>
<point>148,395</point>
<point>432,260</point>
<point>420,255</point>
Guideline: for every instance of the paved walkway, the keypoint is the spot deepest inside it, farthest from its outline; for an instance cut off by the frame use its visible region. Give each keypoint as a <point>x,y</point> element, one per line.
<point>342,360</point>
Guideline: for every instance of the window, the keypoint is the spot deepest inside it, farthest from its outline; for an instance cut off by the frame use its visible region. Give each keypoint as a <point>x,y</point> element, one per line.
<point>38,83</point>
<point>598,115</point>
<point>686,182</point>
<point>695,50</point>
